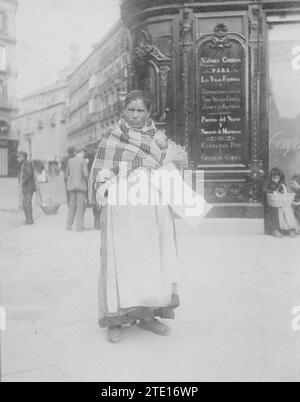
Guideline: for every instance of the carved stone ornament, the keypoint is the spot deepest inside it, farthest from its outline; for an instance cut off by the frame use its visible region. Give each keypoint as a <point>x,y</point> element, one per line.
<point>164,71</point>
<point>146,48</point>
<point>253,26</point>
<point>257,172</point>
<point>220,39</point>
<point>186,27</point>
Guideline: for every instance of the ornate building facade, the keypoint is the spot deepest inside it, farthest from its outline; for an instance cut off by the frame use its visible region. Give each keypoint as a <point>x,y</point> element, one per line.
<point>8,74</point>
<point>225,77</point>
<point>96,89</point>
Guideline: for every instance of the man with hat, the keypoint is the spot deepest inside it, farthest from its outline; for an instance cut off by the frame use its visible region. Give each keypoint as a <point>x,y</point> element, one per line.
<point>77,186</point>
<point>64,165</point>
<point>27,185</point>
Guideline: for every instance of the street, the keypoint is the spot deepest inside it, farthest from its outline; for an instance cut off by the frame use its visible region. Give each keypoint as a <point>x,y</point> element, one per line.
<point>234,323</point>
<point>11,215</point>
<point>96,92</point>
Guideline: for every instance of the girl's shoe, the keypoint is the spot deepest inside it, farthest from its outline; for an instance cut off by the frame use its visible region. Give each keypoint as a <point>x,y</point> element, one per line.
<point>277,234</point>
<point>156,327</point>
<point>115,334</point>
<point>293,234</point>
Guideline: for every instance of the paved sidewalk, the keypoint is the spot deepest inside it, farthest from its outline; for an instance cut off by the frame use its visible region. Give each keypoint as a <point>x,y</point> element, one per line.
<point>11,215</point>
<point>234,323</point>
<point>9,199</point>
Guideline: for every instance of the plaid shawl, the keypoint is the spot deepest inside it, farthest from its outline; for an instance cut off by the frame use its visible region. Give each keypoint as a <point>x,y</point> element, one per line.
<point>125,145</point>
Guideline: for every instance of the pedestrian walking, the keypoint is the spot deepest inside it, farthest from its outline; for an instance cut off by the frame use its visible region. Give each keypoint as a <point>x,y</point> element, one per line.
<point>93,203</point>
<point>27,185</point>
<point>77,186</point>
<point>64,165</point>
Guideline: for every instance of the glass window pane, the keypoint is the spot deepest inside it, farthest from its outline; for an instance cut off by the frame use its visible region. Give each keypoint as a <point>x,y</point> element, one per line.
<point>284,114</point>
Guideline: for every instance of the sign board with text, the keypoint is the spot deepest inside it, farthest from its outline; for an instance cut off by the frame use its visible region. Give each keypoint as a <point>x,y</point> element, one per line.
<point>222,126</point>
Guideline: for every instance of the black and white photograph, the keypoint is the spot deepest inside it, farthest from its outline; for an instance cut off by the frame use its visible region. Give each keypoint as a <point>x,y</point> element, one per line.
<point>149,193</point>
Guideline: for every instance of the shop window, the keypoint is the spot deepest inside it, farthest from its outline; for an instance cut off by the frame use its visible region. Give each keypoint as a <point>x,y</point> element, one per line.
<point>284,108</point>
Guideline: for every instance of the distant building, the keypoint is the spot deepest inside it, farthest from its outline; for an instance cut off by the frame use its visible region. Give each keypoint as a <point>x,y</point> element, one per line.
<point>41,122</point>
<point>8,106</point>
<point>96,89</point>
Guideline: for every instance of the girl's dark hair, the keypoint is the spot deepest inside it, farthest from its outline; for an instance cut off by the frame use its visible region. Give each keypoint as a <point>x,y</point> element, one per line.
<point>276,172</point>
<point>139,95</point>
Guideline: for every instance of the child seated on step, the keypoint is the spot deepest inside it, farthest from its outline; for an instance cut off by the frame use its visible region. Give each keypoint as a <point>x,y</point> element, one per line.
<point>296,204</point>
<point>279,221</point>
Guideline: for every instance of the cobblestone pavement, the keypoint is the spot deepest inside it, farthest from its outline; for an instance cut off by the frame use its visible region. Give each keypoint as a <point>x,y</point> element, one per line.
<point>234,323</point>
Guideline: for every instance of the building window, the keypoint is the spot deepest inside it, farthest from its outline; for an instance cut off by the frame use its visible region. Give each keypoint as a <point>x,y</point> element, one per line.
<point>3,88</point>
<point>92,106</point>
<point>2,58</point>
<point>40,124</point>
<point>53,120</point>
<point>3,21</point>
<point>4,128</point>
<point>92,82</point>
<point>284,109</point>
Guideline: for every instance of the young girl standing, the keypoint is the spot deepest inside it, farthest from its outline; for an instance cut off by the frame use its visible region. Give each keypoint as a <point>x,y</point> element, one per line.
<point>280,220</point>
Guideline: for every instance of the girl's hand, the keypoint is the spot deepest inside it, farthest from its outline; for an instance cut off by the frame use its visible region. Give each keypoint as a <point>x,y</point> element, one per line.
<point>104,175</point>
<point>101,195</point>
<point>175,153</point>
<point>161,139</point>
<point>295,186</point>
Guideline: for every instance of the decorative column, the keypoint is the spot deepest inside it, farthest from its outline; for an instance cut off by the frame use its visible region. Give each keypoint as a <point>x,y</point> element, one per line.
<point>150,71</point>
<point>257,173</point>
<point>187,43</point>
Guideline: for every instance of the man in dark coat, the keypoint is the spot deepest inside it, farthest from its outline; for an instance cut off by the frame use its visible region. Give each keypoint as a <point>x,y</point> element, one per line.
<point>77,185</point>
<point>64,166</point>
<point>27,185</point>
<point>96,209</point>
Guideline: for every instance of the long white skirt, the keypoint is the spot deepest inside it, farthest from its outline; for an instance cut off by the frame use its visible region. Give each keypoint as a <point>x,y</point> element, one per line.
<point>139,267</point>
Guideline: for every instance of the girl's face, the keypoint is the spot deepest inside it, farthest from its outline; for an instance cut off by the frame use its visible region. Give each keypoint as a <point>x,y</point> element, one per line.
<point>136,114</point>
<point>276,179</point>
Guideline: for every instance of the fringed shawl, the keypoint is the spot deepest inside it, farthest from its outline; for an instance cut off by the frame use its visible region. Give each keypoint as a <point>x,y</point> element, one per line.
<point>124,146</point>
